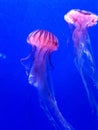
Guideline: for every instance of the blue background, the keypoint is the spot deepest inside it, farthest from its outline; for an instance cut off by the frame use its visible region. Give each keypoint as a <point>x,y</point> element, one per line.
<point>19,102</point>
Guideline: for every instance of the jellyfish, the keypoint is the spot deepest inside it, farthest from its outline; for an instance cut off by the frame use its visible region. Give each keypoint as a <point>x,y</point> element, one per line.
<point>39,76</point>
<point>2,56</point>
<point>84,59</point>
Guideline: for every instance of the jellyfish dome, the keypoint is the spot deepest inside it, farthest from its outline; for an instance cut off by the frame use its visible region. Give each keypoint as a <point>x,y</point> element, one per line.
<point>81,18</point>
<point>43,39</point>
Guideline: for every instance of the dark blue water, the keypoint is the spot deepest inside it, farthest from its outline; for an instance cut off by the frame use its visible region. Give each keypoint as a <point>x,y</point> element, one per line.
<point>19,102</point>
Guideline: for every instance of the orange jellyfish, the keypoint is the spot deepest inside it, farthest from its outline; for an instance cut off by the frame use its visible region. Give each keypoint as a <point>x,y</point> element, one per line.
<point>39,76</point>
<point>84,62</point>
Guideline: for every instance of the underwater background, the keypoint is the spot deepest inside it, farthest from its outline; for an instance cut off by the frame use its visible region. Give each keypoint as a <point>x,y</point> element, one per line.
<point>19,101</point>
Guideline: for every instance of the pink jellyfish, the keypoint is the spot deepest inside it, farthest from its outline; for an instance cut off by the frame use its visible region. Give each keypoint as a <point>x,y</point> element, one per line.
<point>84,62</point>
<point>39,76</point>
<point>45,43</point>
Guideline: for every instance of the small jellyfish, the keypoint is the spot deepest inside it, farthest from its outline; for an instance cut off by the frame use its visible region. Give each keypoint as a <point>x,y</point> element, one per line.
<point>40,77</point>
<point>84,60</point>
<point>2,56</point>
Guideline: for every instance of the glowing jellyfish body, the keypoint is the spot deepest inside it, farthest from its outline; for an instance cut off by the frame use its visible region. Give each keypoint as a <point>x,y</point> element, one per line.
<point>45,43</point>
<point>84,58</point>
<point>39,76</point>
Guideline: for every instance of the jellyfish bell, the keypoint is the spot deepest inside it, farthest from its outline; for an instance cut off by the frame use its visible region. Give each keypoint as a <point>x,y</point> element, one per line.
<point>81,18</point>
<point>43,39</point>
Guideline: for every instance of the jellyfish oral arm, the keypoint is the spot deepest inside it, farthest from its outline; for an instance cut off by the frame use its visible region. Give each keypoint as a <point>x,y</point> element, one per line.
<point>37,74</point>
<point>40,77</point>
<point>85,64</point>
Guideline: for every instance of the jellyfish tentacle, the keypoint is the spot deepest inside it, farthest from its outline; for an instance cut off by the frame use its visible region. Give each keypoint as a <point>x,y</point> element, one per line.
<point>48,114</point>
<point>86,65</point>
<point>45,89</point>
